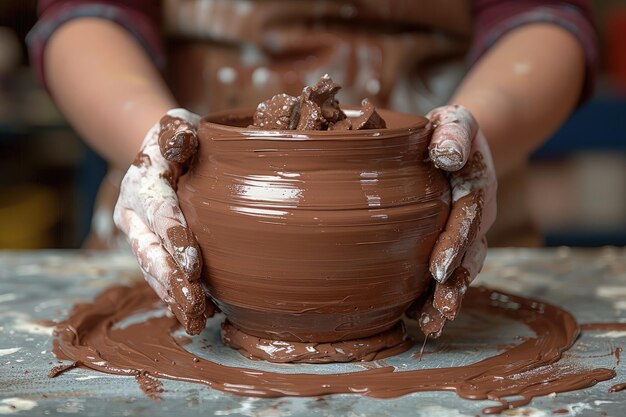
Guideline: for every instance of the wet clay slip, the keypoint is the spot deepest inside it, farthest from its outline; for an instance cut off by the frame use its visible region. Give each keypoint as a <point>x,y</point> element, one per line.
<point>314,237</point>
<point>92,337</point>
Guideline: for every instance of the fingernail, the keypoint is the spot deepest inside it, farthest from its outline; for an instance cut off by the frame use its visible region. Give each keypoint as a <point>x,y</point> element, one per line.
<point>439,275</point>
<point>447,155</point>
<point>452,146</point>
<point>439,270</point>
<point>189,261</point>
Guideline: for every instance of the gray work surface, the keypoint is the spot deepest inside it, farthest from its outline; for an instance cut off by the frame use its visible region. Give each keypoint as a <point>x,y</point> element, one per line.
<point>37,286</point>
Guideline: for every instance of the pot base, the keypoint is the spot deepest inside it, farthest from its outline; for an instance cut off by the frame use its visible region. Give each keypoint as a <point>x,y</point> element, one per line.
<point>388,343</point>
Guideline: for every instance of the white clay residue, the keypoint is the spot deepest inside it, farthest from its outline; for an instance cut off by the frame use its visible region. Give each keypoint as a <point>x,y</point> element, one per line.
<point>576,408</point>
<point>521,68</point>
<point>525,412</point>
<point>22,324</point>
<point>248,408</point>
<point>7,297</point>
<point>15,405</point>
<point>9,351</point>
<point>613,334</point>
<point>439,411</point>
<point>611,292</point>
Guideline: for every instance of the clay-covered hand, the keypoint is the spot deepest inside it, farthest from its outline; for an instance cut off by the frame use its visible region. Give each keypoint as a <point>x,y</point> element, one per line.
<point>459,147</point>
<point>148,213</point>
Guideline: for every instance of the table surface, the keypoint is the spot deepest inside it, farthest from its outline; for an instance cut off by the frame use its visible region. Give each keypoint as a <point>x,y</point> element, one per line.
<point>43,285</point>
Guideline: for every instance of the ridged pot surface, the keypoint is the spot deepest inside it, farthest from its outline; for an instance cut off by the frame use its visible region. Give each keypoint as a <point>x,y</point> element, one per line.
<point>314,236</point>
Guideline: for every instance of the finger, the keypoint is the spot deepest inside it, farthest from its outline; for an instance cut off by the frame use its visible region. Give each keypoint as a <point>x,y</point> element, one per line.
<point>158,288</point>
<point>169,224</point>
<point>461,229</point>
<point>475,257</point>
<point>148,189</point>
<point>448,296</point>
<point>178,140</point>
<point>431,321</point>
<point>186,299</point>
<point>156,262</point>
<point>176,121</point>
<point>488,183</point>
<point>151,196</point>
<point>192,325</point>
<point>475,185</point>
<point>469,186</point>
<point>451,141</point>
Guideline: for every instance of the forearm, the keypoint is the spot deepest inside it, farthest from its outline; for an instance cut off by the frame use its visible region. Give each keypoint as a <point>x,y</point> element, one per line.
<point>523,89</point>
<point>106,86</point>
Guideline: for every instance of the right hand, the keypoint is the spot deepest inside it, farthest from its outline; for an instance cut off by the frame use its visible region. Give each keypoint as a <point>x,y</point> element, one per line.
<point>147,212</point>
<point>459,147</point>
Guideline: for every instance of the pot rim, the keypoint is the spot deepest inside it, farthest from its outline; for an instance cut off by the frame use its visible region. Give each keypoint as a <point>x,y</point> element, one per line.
<point>410,124</point>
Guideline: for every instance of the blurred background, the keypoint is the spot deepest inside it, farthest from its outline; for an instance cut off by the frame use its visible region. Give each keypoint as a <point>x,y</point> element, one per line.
<point>49,178</point>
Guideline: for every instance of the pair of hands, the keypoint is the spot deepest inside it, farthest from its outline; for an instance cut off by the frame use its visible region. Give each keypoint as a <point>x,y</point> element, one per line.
<point>147,212</point>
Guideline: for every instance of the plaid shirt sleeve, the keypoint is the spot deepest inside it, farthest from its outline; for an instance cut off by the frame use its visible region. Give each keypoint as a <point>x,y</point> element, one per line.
<point>494,18</point>
<point>140,17</point>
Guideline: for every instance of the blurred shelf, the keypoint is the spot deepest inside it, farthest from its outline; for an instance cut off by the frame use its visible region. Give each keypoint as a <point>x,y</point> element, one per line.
<point>9,131</point>
<point>586,238</point>
<point>598,125</point>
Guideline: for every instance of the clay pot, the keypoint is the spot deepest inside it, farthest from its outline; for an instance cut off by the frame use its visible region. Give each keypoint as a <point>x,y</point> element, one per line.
<point>314,236</point>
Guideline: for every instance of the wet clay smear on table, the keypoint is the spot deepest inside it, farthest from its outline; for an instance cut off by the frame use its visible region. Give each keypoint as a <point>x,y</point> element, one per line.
<point>610,327</point>
<point>90,338</point>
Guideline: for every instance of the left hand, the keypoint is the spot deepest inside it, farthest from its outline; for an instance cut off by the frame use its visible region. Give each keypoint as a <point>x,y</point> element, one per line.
<point>148,213</point>
<point>459,147</point>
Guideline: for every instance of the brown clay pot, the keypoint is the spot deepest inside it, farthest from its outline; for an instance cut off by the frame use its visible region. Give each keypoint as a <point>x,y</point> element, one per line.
<point>314,236</point>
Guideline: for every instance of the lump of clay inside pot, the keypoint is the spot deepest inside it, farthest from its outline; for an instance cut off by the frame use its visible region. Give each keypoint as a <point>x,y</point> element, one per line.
<point>315,109</point>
